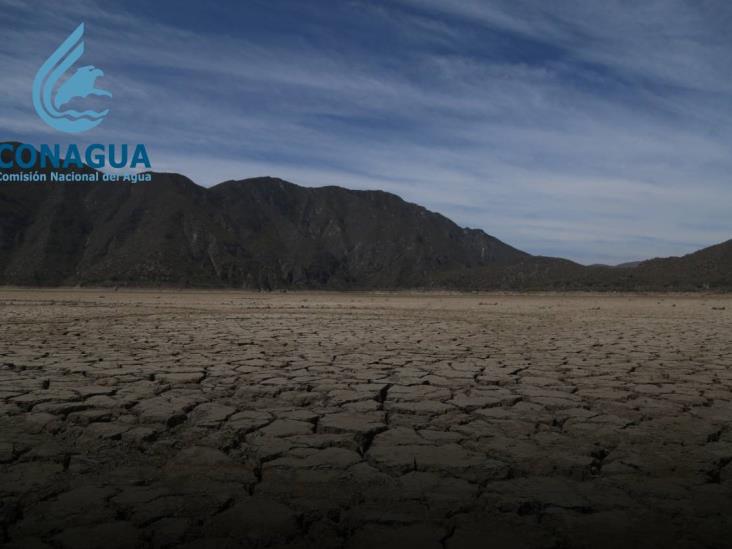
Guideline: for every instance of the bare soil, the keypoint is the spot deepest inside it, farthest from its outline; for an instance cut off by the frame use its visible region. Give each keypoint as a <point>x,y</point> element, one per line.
<point>231,419</point>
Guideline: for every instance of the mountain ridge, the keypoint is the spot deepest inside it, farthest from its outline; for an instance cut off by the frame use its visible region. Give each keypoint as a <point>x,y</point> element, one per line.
<point>267,233</point>
<point>261,232</point>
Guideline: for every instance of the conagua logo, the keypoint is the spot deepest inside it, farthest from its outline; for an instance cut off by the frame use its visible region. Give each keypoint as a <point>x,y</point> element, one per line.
<point>81,84</point>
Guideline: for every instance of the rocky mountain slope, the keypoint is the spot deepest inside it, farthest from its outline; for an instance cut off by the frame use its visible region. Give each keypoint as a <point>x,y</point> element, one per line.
<point>267,233</point>
<point>256,233</point>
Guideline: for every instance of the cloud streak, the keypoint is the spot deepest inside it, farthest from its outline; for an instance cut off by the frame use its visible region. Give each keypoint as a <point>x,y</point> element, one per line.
<point>599,133</point>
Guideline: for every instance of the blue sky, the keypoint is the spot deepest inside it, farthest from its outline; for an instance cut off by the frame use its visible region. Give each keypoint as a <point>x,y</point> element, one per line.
<point>596,131</point>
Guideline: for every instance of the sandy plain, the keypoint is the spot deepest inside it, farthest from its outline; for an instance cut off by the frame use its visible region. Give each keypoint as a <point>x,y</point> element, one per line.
<point>232,419</point>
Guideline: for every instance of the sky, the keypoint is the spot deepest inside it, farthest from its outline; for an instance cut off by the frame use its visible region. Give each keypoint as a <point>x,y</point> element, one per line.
<point>599,131</point>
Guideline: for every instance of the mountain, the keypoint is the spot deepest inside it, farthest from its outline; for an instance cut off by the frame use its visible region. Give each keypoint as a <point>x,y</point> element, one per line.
<point>266,233</point>
<point>709,268</point>
<point>255,233</point>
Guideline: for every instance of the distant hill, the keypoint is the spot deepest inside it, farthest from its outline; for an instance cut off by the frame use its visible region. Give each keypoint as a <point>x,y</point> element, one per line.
<point>628,264</point>
<point>266,233</point>
<point>707,269</point>
<point>710,268</point>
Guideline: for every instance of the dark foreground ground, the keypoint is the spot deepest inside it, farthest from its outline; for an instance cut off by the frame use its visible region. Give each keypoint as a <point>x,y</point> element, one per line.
<point>164,419</point>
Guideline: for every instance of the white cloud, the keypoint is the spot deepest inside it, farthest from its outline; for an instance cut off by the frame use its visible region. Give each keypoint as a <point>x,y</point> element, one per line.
<point>549,157</point>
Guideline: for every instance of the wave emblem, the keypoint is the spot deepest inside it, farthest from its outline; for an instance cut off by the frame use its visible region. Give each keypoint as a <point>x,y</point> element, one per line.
<point>80,84</point>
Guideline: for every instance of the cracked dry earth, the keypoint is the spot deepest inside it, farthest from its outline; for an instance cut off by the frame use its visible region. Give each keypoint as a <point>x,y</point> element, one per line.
<point>224,419</point>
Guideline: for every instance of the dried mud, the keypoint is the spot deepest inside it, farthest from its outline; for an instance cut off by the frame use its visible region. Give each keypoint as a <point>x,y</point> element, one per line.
<point>229,419</point>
